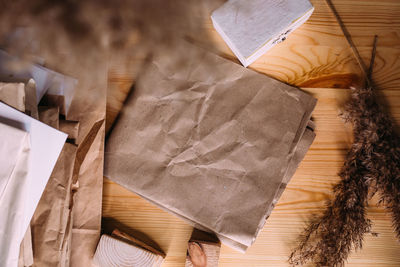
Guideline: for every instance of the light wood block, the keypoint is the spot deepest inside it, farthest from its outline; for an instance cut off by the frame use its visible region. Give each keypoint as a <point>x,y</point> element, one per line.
<point>114,252</point>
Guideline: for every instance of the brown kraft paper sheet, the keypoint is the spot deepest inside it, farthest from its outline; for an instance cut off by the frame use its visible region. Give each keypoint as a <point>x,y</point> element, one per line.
<point>80,221</point>
<point>88,107</point>
<point>50,221</point>
<point>210,141</point>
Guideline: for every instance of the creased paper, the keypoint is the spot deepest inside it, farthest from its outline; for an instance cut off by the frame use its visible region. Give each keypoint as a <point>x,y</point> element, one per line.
<point>14,152</point>
<point>50,221</point>
<point>46,144</point>
<point>209,141</point>
<point>88,107</point>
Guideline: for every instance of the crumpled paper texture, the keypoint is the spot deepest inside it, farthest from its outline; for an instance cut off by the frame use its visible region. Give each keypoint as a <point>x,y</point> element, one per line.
<point>209,141</point>
<point>86,127</point>
<point>50,221</point>
<point>88,107</point>
<point>70,210</point>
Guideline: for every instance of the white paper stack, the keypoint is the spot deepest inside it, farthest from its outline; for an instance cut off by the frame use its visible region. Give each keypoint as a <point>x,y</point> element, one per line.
<point>251,28</point>
<point>29,150</point>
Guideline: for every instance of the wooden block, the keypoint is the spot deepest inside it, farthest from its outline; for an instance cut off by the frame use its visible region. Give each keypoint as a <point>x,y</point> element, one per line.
<point>114,252</point>
<point>203,250</point>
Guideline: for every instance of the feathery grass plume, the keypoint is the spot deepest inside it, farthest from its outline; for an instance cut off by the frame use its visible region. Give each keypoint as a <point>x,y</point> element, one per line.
<point>373,162</point>
<point>329,239</point>
<point>371,165</point>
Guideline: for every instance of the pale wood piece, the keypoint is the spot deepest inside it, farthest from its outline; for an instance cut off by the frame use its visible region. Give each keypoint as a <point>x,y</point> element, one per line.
<point>315,55</point>
<point>114,252</point>
<point>134,241</point>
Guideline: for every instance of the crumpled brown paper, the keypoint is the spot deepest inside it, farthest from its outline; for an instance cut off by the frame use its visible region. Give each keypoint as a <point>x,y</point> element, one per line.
<point>210,141</point>
<point>69,214</point>
<point>85,125</point>
<point>89,108</point>
<point>50,221</point>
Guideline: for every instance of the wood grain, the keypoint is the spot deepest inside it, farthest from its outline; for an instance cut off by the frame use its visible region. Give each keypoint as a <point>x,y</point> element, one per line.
<point>315,56</point>
<point>114,252</point>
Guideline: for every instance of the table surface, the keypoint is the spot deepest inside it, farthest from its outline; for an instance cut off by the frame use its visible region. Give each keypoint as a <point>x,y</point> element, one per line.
<point>317,58</point>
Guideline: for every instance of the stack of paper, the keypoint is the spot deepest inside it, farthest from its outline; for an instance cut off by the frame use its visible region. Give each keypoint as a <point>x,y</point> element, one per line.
<point>251,28</point>
<point>30,148</point>
<point>69,212</point>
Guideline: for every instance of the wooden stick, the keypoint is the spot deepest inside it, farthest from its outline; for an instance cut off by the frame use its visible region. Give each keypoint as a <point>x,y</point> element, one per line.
<point>350,41</point>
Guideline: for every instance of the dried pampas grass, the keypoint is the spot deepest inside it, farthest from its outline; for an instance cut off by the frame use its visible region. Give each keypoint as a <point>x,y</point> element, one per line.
<point>372,165</point>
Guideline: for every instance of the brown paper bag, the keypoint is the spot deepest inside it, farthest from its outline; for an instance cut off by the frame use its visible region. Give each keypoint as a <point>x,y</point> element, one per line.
<point>210,141</point>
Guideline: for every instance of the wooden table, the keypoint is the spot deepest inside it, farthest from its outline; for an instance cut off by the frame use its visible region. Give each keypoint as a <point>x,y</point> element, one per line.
<point>317,58</point>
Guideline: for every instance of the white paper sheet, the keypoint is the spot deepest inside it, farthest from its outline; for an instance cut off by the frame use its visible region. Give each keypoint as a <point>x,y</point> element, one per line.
<point>11,145</point>
<point>45,146</point>
<point>13,199</point>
